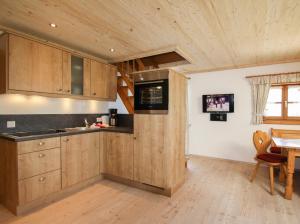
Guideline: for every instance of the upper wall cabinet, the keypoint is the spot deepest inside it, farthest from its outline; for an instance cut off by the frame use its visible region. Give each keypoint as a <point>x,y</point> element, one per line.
<point>30,67</point>
<point>103,80</point>
<point>34,66</point>
<point>76,75</point>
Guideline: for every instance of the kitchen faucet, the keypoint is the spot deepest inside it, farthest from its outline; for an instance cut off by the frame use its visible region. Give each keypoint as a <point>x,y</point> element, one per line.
<point>87,125</point>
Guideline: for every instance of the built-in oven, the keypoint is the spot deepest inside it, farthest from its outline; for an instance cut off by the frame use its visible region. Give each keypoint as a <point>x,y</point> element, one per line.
<point>151,92</point>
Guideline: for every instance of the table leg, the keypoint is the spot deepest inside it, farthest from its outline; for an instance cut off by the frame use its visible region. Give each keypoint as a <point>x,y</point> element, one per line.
<point>290,174</point>
<point>281,175</point>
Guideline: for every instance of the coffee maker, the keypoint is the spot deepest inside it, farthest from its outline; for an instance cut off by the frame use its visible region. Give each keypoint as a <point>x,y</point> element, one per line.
<point>113,117</point>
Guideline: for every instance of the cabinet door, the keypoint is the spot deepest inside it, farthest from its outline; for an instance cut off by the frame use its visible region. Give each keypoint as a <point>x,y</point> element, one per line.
<point>34,67</point>
<point>67,79</point>
<point>80,158</point>
<point>86,77</point>
<point>112,82</point>
<point>149,154</point>
<point>39,186</point>
<point>103,80</point>
<point>117,154</point>
<point>76,75</point>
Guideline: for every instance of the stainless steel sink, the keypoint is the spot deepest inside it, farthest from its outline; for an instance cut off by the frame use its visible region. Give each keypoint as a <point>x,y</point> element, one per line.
<point>77,129</point>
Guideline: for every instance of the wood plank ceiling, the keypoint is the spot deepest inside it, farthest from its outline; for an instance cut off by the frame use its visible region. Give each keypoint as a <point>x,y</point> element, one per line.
<point>214,34</point>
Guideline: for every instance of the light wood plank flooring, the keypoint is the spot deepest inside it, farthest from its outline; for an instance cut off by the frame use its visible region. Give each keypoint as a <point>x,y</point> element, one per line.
<point>216,191</point>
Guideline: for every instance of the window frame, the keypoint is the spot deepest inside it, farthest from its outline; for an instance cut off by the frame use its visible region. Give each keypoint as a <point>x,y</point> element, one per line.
<point>284,118</point>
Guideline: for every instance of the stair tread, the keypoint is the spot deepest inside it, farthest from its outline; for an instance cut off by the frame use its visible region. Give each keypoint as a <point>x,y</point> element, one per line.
<point>125,87</point>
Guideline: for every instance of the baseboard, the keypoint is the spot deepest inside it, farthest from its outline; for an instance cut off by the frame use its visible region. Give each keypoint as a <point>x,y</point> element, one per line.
<point>222,159</point>
<point>231,160</point>
<point>158,190</point>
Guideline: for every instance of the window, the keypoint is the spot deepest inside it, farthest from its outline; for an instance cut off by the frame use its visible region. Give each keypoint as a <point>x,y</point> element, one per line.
<point>283,105</point>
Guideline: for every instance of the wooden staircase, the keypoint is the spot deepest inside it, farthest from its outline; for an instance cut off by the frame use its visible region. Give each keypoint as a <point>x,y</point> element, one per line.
<point>126,68</point>
<point>123,90</point>
<point>125,82</point>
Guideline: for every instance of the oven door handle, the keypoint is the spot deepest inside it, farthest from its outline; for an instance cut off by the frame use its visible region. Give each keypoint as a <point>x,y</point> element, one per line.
<point>151,82</point>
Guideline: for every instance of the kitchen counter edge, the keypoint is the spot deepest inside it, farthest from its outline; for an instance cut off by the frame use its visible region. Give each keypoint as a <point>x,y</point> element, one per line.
<point>9,137</point>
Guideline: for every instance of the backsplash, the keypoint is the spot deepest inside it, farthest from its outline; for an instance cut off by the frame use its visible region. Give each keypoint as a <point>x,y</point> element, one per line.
<point>36,122</point>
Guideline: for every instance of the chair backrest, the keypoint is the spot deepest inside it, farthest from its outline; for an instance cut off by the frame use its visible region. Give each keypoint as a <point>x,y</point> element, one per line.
<point>261,141</point>
<point>281,133</point>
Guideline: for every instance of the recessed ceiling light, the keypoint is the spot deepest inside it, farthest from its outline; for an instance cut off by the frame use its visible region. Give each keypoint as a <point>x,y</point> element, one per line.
<point>111,50</point>
<point>53,25</point>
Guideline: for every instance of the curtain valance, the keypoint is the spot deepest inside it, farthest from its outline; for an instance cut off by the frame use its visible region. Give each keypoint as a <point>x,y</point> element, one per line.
<point>275,79</point>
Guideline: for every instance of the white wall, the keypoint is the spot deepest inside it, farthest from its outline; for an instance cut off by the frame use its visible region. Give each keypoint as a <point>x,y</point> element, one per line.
<point>231,139</point>
<point>22,104</point>
<point>118,104</point>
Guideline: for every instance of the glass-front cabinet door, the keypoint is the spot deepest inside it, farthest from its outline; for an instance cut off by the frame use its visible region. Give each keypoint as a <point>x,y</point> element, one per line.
<point>76,75</point>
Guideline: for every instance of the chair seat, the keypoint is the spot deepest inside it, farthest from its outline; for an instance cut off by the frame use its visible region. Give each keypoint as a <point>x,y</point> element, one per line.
<point>272,158</point>
<point>275,149</point>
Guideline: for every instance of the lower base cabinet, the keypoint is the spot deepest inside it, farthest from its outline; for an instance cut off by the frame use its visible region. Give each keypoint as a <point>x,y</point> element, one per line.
<point>116,153</point>
<point>80,158</point>
<point>150,156</point>
<point>39,186</point>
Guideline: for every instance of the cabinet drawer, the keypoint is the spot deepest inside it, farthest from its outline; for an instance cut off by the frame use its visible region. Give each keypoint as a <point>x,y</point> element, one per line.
<point>38,145</point>
<point>32,164</point>
<point>39,186</point>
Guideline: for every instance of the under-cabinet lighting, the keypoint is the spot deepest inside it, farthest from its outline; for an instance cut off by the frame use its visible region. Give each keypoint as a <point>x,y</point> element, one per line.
<point>111,49</point>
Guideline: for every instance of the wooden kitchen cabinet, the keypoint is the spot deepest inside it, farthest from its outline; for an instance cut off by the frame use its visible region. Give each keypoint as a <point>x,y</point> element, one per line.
<point>80,158</point>
<point>149,153</point>
<point>30,170</point>
<point>117,154</point>
<point>159,145</point>
<point>103,80</point>
<point>33,66</point>
<point>32,164</point>
<point>38,145</point>
<point>76,75</point>
<point>38,186</point>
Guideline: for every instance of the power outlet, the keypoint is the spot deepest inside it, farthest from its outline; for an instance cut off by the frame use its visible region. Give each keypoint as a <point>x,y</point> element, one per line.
<point>11,124</point>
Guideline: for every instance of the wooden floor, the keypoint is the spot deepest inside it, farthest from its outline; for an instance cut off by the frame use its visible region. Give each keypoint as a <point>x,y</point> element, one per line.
<point>216,191</point>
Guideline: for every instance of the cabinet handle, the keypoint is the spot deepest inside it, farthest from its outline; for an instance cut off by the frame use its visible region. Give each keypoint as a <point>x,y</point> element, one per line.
<point>134,138</point>
<point>94,94</point>
<point>66,140</point>
<point>42,179</point>
<point>67,91</point>
<point>41,155</point>
<point>41,143</point>
<point>59,90</point>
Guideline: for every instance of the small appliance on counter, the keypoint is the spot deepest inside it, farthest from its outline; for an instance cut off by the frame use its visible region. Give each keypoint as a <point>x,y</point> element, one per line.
<point>113,117</point>
<point>105,119</point>
<point>101,122</point>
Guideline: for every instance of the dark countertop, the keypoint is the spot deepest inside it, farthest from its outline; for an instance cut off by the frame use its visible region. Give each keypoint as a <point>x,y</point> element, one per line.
<point>10,137</point>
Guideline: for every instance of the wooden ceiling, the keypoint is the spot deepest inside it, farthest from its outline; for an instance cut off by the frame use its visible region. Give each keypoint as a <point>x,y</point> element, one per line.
<point>213,34</point>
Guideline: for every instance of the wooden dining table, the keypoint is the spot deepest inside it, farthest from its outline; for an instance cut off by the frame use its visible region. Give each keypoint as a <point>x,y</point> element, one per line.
<point>291,148</point>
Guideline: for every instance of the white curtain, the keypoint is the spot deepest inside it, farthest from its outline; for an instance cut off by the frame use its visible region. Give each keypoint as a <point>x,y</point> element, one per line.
<point>260,87</point>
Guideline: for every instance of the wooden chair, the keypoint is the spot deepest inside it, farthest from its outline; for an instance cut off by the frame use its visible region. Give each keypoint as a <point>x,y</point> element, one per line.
<point>261,142</point>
